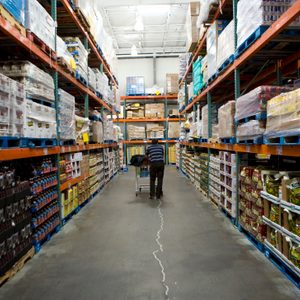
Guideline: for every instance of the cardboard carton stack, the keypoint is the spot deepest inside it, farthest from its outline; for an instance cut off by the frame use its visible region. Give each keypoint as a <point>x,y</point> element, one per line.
<point>174,130</point>
<point>155,131</point>
<point>191,26</point>
<point>155,110</point>
<point>172,83</point>
<point>136,132</point>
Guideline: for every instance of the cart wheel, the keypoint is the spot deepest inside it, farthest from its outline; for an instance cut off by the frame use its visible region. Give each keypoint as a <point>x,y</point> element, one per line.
<point>136,194</point>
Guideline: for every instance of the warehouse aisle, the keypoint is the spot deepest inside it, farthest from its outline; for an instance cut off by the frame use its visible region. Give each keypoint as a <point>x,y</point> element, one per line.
<point>105,252</point>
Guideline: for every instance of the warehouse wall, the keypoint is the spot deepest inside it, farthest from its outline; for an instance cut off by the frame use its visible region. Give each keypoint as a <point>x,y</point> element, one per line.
<point>144,67</point>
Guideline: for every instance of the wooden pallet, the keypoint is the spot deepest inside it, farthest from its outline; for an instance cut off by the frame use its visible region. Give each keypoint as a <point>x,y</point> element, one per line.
<point>12,21</point>
<point>18,266</point>
<point>62,62</point>
<point>45,48</point>
<point>214,141</point>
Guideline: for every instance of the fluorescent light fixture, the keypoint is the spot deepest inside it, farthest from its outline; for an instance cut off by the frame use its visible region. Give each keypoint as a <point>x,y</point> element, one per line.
<point>139,25</point>
<point>134,50</point>
<point>150,10</point>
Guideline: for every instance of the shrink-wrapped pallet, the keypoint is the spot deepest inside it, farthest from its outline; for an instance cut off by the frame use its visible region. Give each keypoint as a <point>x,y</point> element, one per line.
<point>174,130</point>
<point>136,132</point>
<point>226,120</point>
<point>251,130</point>
<point>154,110</point>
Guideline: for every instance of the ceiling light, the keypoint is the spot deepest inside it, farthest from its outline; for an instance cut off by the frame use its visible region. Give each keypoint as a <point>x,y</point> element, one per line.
<point>150,10</point>
<point>134,50</point>
<point>139,25</point>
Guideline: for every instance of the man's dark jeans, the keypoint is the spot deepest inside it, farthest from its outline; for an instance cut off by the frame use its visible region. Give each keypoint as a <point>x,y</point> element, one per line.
<point>156,171</point>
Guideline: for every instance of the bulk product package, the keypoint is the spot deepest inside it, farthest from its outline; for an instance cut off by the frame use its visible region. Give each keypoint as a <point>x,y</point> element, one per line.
<point>92,79</point>
<point>64,55</point>
<point>67,116</point>
<point>155,131</point>
<point>42,26</point>
<point>38,84</point>
<point>283,115</point>
<point>226,120</point>
<point>12,107</point>
<point>255,13</point>
<point>16,8</point>
<point>135,110</point>
<point>191,26</point>
<point>155,110</point>
<point>96,132</point>
<point>80,55</point>
<point>214,119</point>
<point>82,130</point>
<point>135,85</point>
<point>40,121</point>
<point>136,132</point>
<point>184,60</point>
<point>197,76</point>
<point>171,83</point>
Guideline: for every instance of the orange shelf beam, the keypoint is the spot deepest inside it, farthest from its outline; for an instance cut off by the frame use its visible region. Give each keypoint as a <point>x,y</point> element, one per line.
<point>147,120</point>
<point>106,67</point>
<point>255,149</point>
<point>141,142</point>
<point>291,14</point>
<point>24,42</point>
<point>81,148</point>
<point>145,98</point>
<point>70,183</point>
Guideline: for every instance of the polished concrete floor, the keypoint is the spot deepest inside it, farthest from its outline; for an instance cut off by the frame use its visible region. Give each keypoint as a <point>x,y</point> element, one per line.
<point>106,252</point>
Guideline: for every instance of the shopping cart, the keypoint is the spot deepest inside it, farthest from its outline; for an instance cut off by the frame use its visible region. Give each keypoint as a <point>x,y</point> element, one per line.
<point>142,174</point>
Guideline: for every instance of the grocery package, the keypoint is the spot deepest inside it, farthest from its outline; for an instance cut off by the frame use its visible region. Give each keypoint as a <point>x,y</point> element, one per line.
<point>183,64</point>
<point>191,26</point>
<point>135,110</point>
<point>205,7</point>
<point>226,120</point>
<point>225,44</point>
<point>197,76</point>
<point>155,131</point>
<point>214,179</point>
<point>40,121</point>
<point>255,13</point>
<point>204,69</point>
<point>173,130</point>
<point>16,8</point>
<point>135,85</point>
<point>67,116</point>
<point>283,115</point>
<point>96,132</point>
<point>214,119</point>
<point>154,110</point>
<point>136,132</point>
<point>12,107</point>
<point>38,84</point>
<point>171,83</point>
<point>64,55</point>
<point>181,97</point>
<point>92,79</point>
<point>82,130</point>
<point>250,130</point>
<point>255,101</point>
<point>291,190</point>
<point>80,55</point>
<point>43,26</point>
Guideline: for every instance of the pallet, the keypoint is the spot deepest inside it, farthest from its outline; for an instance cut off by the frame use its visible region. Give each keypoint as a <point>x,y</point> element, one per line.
<point>48,237</point>
<point>213,77</point>
<point>99,95</point>
<point>109,142</point>
<point>18,266</point>
<point>253,141</point>
<point>5,14</point>
<point>42,101</point>
<point>201,140</point>
<point>283,140</point>
<point>228,215</point>
<point>250,40</point>
<point>261,116</point>
<point>226,64</point>
<point>230,140</point>
<point>80,78</point>
<point>282,265</point>
<point>135,95</point>
<point>37,41</point>
<point>62,62</point>
<point>259,245</point>
<point>67,143</point>
<point>16,142</point>
<point>214,140</point>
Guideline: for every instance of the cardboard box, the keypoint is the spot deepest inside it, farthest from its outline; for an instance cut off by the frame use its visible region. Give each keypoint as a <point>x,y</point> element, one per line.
<point>155,110</point>
<point>174,130</point>
<point>172,83</point>
<point>194,8</point>
<point>192,32</point>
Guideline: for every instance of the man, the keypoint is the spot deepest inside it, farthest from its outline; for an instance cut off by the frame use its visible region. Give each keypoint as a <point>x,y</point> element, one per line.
<point>155,154</point>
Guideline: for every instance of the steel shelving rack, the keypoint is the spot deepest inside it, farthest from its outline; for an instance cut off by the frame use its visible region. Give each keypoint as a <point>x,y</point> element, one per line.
<point>166,99</point>
<point>68,24</point>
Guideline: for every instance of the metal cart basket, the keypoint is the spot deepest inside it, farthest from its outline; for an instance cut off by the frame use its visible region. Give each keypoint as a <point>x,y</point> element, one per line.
<point>142,174</point>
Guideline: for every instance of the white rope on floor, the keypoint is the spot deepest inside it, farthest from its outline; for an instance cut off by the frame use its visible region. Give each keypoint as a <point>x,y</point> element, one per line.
<point>161,250</point>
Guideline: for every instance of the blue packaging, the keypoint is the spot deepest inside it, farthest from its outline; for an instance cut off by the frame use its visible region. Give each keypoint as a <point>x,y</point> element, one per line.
<point>16,8</point>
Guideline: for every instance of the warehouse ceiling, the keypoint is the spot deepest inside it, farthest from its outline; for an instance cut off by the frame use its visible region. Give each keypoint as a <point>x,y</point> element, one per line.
<point>164,30</point>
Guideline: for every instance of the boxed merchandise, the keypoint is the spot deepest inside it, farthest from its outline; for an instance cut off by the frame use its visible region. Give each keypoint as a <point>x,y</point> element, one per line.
<point>67,116</point>
<point>154,110</point>
<point>211,48</point>
<point>38,84</point>
<point>135,110</point>
<point>172,83</point>
<point>92,79</point>
<point>135,85</point>
<point>82,130</point>
<point>42,26</point>
<point>16,8</point>
<point>214,119</point>
<point>251,130</point>
<point>136,132</point>
<point>197,76</point>
<point>64,56</point>
<point>255,101</point>
<point>283,114</point>
<point>155,131</point>
<point>183,64</point>
<point>174,130</point>
<point>226,120</point>
<point>96,132</point>
<point>205,7</point>
<point>191,26</point>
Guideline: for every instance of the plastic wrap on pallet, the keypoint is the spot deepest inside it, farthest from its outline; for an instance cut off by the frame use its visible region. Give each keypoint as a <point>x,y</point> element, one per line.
<point>256,101</point>
<point>255,13</point>
<point>155,131</point>
<point>40,121</point>
<point>183,64</point>
<point>82,129</point>
<point>62,52</point>
<point>154,110</point>
<point>211,48</point>
<point>251,129</point>
<point>42,26</point>
<point>15,8</point>
<point>97,132</point>
<point>67,116</point>
<point>225,44</point>
<point>173,130</point>
<point>192,31</point>
<point>226,120</point>
<point>136,132</point>
<point>214,119</point>
<point>197,76</point>
<point>204,69</point>
<point>205,6</point>
<point>135,85</point>
<point>38,84</point>
<point>283,117</point>
<point>92,79</point>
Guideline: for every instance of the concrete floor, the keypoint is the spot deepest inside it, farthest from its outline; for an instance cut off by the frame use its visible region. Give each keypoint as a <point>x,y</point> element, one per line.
<point>105,252</point>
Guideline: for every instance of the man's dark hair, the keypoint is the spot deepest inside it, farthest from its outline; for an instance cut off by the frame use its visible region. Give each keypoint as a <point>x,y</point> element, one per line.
<point>154,141</point>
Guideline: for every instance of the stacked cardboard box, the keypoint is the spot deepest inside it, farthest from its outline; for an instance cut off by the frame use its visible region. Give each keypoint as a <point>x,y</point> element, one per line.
<point>172,83</point>
<point>155,110</point>
<point>174,130</point>
<point>155,131</point>
<point>226,120</point>
<point>135,111</point>
<point>191,26</point>
<point>136,132</point>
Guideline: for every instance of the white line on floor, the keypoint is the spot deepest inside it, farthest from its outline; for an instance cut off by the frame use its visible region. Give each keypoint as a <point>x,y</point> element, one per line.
<point>161,249</point>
